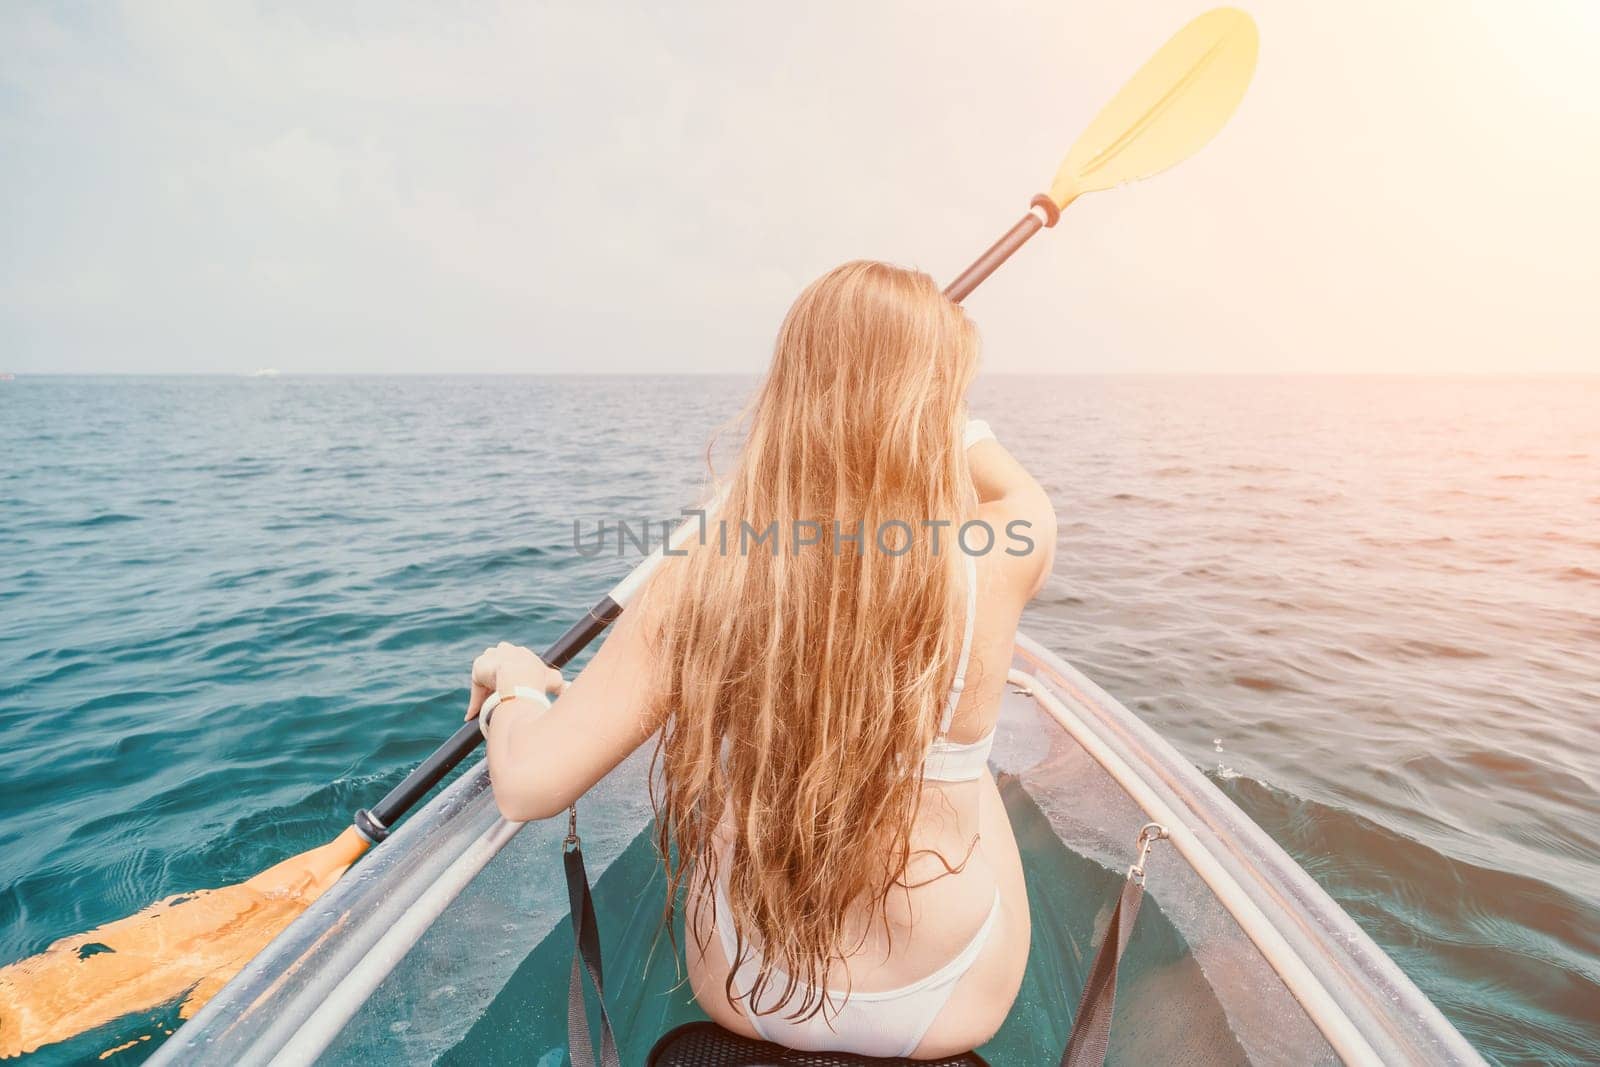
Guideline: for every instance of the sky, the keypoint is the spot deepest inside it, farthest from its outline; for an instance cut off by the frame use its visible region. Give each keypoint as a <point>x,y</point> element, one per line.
<point>605,187</point>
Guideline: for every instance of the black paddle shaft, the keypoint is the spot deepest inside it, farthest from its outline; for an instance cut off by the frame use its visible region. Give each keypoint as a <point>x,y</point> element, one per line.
<point>374,824</point>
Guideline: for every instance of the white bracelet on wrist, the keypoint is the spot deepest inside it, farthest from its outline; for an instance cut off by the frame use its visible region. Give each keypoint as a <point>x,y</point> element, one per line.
<point>520,692</point>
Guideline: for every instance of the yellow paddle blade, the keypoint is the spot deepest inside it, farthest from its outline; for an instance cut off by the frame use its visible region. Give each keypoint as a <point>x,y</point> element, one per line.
<point>1168,110</point>
<point>186,946</point>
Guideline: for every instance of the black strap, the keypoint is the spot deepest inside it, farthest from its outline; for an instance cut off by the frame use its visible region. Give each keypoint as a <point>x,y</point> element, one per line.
<point>1091,1026</point>
<point>585,956</point>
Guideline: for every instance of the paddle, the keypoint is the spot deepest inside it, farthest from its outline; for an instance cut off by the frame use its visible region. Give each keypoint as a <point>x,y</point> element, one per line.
<point>189,945</point>
<point>1168,111</point>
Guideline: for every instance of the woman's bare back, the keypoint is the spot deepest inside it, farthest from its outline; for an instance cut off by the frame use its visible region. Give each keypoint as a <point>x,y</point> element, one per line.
<point>964,857</point>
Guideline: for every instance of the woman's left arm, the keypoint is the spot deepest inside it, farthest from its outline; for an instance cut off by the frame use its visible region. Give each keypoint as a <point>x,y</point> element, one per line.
<point>542,760</point>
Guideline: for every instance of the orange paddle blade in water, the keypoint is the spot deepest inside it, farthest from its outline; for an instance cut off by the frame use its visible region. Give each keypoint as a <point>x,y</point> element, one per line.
<point>186,946</point>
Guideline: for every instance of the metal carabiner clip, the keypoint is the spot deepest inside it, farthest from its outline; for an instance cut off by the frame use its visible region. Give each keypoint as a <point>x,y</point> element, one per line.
<point>573,841</point>
<point>1149,834</point>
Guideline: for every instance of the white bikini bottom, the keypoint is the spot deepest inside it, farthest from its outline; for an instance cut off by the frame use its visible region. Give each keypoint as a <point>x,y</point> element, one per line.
<point>891,1022</point>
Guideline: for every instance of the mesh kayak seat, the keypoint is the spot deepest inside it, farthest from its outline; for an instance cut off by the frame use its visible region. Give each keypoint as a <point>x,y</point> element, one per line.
<point>705,1044</point>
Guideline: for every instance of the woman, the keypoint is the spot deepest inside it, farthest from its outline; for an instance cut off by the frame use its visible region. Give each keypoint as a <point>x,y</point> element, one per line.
<point>825,698</point>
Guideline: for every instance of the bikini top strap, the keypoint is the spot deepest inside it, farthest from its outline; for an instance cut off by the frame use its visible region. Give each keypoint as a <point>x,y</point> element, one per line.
<point>960,683</point>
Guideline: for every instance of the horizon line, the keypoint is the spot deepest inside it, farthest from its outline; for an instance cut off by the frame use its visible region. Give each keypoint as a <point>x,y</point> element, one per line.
<point>257,375</point>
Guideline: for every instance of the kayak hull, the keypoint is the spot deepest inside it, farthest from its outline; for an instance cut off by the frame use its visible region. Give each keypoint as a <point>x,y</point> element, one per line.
<point>449,941</point>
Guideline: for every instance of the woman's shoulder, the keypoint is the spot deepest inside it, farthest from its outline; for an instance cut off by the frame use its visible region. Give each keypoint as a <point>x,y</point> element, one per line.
<point>1020,531</point>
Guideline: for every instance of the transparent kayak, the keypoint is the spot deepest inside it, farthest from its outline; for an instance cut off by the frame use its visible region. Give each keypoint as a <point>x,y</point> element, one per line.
<point>449,942</point>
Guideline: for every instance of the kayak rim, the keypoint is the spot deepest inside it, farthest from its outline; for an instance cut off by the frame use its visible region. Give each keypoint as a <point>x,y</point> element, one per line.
<point>1353,992</point>
<point>290,1003</point>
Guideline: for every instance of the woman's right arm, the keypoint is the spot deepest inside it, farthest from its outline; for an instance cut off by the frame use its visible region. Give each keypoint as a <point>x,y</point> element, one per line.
<point>1015,503</point>
<point>542,760</point>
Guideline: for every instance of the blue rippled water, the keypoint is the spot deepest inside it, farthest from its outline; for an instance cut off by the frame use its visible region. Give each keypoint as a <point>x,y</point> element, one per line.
<point>232,610</point>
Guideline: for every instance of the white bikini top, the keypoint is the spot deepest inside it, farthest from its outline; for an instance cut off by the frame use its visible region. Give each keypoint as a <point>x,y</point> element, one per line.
<point>952,761</point>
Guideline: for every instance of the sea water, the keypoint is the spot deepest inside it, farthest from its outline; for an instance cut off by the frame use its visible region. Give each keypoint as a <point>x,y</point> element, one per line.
<point>233,610</point>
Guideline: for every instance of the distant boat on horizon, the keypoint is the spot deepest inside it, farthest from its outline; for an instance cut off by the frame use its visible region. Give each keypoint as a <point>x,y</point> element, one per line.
<point>7,376</point>
<point>263,372</point>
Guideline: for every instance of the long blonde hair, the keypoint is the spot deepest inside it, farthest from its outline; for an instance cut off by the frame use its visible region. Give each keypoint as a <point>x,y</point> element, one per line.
<point>803,683</point>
